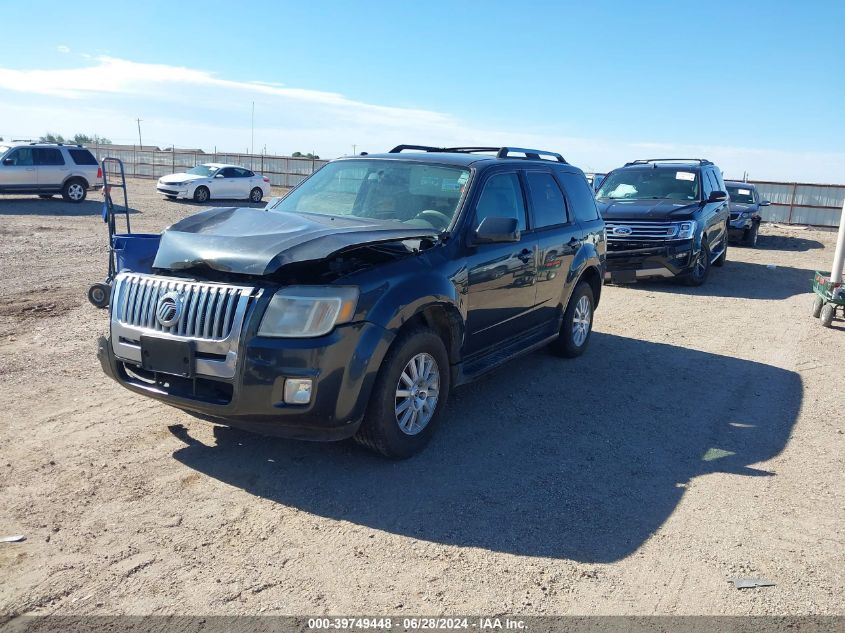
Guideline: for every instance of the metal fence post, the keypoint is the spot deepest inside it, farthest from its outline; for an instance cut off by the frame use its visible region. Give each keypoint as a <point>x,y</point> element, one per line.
<point>792,202</point>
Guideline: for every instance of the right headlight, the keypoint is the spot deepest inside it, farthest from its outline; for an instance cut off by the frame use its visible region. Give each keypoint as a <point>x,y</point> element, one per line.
<point>308,311</point>
<point>686,230</point>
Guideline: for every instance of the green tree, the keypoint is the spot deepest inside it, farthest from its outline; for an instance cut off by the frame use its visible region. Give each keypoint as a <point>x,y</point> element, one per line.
<point>51,137</point>
<point>308,155</point>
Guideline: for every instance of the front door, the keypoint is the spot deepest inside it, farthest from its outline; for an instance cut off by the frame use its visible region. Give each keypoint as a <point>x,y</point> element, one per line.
<point>502,277</point>
<point>18,170</point>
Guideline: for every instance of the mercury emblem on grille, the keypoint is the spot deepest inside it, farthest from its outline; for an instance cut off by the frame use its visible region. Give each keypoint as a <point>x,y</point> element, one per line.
<point>169,309</point>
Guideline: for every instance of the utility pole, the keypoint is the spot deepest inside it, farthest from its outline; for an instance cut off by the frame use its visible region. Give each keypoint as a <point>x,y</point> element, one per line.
<point>252,126</point>
<point>140,142</point>
<point>353,149</point>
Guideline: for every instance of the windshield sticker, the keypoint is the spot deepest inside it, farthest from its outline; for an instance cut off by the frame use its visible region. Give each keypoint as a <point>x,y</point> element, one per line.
<point>684,175</point>
<point>744,192</point>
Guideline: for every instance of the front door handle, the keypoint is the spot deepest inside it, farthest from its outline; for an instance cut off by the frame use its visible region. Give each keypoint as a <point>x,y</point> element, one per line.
<point>525,255</point>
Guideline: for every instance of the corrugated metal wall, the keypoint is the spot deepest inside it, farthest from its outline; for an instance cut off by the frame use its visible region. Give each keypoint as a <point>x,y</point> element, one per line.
<point>283,171</point>
<point>802,203</point>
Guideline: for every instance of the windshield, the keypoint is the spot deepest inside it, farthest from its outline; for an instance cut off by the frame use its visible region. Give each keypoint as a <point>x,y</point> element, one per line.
<point>202,170</point>
<point>741,195</point>
<point>649,184</point>
<point>390,190</point>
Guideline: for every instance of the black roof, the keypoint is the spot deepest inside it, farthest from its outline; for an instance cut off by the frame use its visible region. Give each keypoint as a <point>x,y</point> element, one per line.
<point>739,183</point>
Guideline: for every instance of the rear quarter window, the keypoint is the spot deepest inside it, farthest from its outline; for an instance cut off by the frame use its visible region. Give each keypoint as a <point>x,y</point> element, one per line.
<point>580,196</point>
<point>82,157</point>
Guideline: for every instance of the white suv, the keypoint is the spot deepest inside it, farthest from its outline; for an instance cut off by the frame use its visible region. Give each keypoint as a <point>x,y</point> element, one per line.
<point>46,169</point>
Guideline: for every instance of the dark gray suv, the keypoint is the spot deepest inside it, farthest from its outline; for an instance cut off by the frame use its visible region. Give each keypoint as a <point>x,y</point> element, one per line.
<point>45,169</point>
<point>745,212</point>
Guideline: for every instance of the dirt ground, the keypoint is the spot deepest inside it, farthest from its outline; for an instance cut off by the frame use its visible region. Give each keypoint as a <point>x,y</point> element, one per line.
<point>700,438</point>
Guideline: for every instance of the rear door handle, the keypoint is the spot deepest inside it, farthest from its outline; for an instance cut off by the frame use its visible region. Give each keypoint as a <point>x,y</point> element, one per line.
<point>525,255</point>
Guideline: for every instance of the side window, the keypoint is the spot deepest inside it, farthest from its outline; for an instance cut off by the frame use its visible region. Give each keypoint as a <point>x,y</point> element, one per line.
<point>245,173</point>
<point>48,156</point>
<point>720,184</point>
<point>502,197</point>
<point>21,157</point>
<point>229,172</point>
<point>580,196</point>
<point>707,183</point>
<point>546,199</point>
<point>82,157</point>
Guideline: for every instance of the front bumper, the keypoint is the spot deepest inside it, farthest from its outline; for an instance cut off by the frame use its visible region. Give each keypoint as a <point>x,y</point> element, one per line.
<point>627,262</point>
<point>342,365</point>
<point>737,227</point>
<point>171,190</point>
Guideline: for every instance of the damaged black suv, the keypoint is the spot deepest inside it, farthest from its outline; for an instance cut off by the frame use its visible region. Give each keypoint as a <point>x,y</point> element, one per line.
<point>351,307</point>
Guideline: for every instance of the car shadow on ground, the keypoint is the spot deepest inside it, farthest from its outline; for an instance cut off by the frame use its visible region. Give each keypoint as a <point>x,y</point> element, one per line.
<point>579,460</point>
<point>55,207</point>
<point>742,280</point>
<point>784,243</point>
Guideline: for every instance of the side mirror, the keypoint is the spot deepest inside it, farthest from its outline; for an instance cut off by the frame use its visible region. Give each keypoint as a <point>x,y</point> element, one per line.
<point>717,196</point>
<point>219,176</point>
<point>496,229</point>
<point>764,203</point>
<point>9,161</point>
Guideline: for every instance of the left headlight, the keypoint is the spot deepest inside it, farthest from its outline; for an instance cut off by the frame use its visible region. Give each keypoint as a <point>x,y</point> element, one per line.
<point>308,311</point>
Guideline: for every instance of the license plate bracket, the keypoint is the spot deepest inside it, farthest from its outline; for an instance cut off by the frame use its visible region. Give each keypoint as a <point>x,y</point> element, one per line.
<point>167,356</point>
<point>623,276</point>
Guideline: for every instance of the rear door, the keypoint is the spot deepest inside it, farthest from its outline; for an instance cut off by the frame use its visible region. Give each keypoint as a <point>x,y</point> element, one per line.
<point>558,238</point>
<point>18,170</point>
<point>501,284</point>
<point>51,167</point>
<point>243,182</point>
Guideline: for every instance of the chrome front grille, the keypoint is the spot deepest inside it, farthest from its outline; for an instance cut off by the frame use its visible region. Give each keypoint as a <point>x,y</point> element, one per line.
<point>207,310</point>
<point>210,314</point>
<point>641,230</point>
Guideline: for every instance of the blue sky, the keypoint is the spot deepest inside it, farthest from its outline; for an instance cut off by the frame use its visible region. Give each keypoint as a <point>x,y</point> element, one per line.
<point>756,86</point>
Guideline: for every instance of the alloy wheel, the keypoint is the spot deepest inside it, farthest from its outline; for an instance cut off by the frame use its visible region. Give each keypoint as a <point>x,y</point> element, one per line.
<point>75,192</point>
<point>581,320</point>
<point>416,393</point>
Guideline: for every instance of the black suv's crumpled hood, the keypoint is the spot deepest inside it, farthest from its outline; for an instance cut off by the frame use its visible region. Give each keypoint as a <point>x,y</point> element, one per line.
<point>738,207</point>
<point>259,242</point>
<point>645,209</point>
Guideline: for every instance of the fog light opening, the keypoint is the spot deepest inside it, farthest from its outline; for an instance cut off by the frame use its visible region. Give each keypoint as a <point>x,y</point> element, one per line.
<point>297,390</point>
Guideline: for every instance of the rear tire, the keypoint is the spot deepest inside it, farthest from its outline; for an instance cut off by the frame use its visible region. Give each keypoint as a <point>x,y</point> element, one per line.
<point>574,336</point>
<point>700,269</point>
<point>827,314</point>
<point>387,427</point>
<point>74,191</point>
<point>256,194</point>
<point>818,304</point>
<point>201,194</point>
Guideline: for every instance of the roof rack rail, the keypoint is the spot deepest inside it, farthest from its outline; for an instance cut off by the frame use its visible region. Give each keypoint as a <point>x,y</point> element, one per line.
<point>647,161</point>
<point>501,152</point>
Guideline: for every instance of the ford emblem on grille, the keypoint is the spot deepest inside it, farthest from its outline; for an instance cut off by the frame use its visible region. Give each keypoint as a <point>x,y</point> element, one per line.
<point>623,230</point>
<point>169,309</point>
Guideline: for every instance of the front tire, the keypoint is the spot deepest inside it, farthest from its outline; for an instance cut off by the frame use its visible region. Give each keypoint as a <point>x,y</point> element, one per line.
<point>721,259</point>
<point>74,191</point>
<point>818,304</point>
<point>99,295</point>
<point>201,194</point>
<point>700,268</point>
<point>577,325</point>
<point>408,396</point>
<point>752,236</point>
<point>256,194</point>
